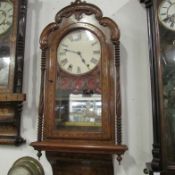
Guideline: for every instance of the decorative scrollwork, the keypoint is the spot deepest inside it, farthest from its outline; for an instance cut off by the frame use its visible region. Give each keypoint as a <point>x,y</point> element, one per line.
<point>119,158</point>
<point>107,22</point>
<point>77,8</point>
<point>78,2</point>
<point>44,36</point>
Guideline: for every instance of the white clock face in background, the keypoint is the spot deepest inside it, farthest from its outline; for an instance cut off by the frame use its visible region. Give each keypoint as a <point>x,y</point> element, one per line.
<point>19,171</point>
<point>166,14</point>
<point>79,52</point>
<point>6,16</point>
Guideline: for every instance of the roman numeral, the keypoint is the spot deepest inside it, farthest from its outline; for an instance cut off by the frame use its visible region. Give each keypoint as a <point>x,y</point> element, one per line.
<point>64,62</point>
<point>93,44</point>
<point>64,45</point>
<point>70,38</point>
<point>169,2</point>
<point>172,25</point>
<point>8,23</point>
<point>62,53</point>
<point>70,68</point>
<point>75,37</point>
<point>78,70</point>
<point>94,61</point>
<point>166,19</point>
<point>96,51</point>
<point>10,9</point>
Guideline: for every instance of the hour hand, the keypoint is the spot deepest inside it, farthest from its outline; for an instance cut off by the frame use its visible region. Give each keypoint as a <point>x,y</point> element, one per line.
<point>72,51</point>
<point>167,19</point>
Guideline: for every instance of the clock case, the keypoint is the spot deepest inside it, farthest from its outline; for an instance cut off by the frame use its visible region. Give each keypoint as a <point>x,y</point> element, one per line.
<point>160,39</point>
<point>11,96</point>
<point>95,149</point>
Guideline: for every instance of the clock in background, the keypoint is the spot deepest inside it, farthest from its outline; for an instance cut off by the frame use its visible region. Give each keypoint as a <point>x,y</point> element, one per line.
<point>161,32</point>
<point>12,39</point>
<point>166,14</point>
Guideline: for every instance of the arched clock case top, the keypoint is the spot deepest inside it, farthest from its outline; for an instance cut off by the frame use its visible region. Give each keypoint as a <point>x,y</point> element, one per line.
<point>75,130</point>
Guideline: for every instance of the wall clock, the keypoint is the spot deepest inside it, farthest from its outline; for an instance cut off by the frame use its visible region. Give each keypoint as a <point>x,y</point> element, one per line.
<point>161,27</point>
<point>80,108</point>
<point>12,35</point>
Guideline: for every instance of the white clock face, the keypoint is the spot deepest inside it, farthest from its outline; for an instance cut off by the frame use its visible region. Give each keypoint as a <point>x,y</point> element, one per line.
<point>79,52</point>
<point>19,171</point>
<point>6,16</point>
<point>166,14</point>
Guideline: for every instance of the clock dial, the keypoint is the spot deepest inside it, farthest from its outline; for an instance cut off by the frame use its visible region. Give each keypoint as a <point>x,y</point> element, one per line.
<point>19,171</point>
<point>79,52</point>
<point>6,16</point>
<point>166,14</point>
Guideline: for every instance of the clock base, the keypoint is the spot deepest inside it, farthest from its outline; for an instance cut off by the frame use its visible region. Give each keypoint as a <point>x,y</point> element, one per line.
<point>80,159</point>
<point>80,164</point>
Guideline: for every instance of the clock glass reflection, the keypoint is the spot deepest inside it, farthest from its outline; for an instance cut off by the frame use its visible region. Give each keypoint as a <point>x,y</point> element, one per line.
<point>80,110</point>
<point>4,66</point>
<point>167,45</point>
<point>78,102</point>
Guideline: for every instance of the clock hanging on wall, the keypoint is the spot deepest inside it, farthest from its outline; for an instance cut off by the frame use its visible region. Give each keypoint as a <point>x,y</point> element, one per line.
<point>12,35</point>
<point>80,107</point>
<point>161,30</point>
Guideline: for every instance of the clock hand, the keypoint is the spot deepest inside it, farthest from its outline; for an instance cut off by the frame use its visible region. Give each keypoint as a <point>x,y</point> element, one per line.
<point>172,18</point>
<point>72,51</point>
<point>2,17</point>
<point>168,18</point>
<point>82,59</point>
<point>78,53</point>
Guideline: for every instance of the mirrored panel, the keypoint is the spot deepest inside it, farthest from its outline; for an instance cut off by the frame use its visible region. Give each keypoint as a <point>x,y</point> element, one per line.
<point>78,110</point>
<point>4,66</point>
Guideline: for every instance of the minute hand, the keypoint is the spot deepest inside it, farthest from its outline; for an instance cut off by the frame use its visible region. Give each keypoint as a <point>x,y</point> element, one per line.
<point>83,60</point>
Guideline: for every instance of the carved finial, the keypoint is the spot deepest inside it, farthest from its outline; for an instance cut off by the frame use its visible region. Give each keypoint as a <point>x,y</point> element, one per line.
<point>119,158</point>
<point>78,2</point>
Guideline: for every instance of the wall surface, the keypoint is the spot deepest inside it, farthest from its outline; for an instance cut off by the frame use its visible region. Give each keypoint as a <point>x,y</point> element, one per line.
<point>135,82</point>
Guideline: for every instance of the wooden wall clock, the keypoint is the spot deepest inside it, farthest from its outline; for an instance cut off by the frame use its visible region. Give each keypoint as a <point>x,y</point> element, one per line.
<point>80,107</point>
<point>161,28</point>
<point>12,35</point>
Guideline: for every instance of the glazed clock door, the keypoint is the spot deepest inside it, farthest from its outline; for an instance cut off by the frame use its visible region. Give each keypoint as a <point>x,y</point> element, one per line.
<point>78,104</point>
<point>166,17</point>
<point>161,23</point>
<point>79,99</point>
<point>7,11</point>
